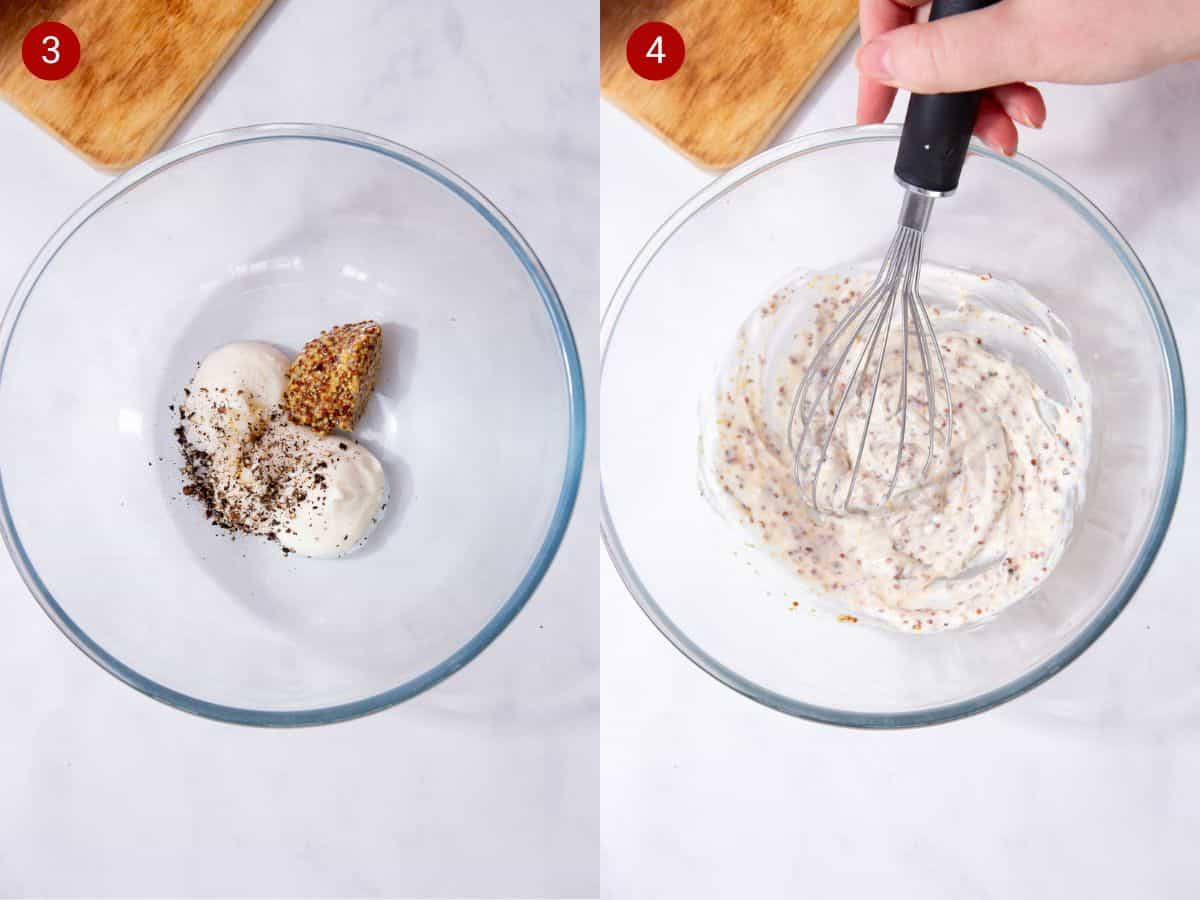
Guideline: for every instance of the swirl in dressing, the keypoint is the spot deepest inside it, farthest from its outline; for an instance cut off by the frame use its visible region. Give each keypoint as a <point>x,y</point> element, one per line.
<point>994,515</point>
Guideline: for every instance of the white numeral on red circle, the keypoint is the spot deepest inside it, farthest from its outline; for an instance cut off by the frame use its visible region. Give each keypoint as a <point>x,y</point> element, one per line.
<point>656,50</point>
<point>51,43</point>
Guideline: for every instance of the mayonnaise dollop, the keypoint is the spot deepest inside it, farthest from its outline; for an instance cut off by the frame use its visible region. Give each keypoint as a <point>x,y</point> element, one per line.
<point>258,473</point>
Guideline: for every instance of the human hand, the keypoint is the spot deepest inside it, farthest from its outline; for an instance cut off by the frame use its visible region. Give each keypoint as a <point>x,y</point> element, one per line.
<point>1013,42</point>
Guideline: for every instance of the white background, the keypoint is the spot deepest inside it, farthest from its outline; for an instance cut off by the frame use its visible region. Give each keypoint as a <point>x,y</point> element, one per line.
<point>1087,787</point>
<point>486,785</point>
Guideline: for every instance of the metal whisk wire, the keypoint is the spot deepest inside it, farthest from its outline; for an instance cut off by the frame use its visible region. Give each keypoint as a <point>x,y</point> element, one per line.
<point>871,318</point>
<point>929,161</point>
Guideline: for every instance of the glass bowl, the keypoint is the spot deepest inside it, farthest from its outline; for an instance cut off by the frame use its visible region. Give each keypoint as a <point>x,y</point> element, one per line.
<point>273,233</point>
<point>814,203</point>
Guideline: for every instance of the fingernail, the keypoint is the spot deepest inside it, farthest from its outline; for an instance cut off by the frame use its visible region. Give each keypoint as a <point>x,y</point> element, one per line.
<point>1027,120</point>
<point>873,62</point>
<point>997,146</point>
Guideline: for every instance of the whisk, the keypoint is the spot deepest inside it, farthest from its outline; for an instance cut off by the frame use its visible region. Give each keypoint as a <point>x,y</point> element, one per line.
<point>851,363</point>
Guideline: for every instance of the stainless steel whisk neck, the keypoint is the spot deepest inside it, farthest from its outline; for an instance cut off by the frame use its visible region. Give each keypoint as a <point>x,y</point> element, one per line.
<point>915,210</point>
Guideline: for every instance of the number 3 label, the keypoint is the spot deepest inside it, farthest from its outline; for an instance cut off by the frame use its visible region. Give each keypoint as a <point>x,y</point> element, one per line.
<point>50,51</point>
<point>655,51</point>
<point>52,44</point>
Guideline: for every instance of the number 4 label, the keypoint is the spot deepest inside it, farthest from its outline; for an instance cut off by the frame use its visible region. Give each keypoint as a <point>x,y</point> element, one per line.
<point>655,51</point>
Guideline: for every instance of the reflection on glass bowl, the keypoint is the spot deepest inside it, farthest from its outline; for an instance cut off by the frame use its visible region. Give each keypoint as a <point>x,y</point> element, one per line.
<point>817,203</point>
<point>272,233</point>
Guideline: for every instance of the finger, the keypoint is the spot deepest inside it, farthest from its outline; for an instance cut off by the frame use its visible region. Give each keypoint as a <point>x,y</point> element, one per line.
<point>874,101</point>
<point>995,128</point>
<point>1023,103</point>
<point>973,50</point>
<point>876,17</point>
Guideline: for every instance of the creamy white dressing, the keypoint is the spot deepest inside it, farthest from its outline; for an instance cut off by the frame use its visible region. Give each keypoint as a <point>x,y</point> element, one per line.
<point>992,517</point>
<point>318,495</point>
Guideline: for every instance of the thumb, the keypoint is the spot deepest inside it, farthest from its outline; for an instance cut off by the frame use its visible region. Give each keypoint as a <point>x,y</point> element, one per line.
<point>958,53</point>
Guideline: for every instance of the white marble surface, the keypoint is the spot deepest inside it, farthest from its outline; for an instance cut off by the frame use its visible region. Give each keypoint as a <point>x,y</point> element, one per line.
<point>486,785</point>
<point>1087,787</point>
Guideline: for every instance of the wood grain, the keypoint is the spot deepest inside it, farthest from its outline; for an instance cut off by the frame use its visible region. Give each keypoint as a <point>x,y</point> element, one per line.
<point>143,64</point>
<point>748,64</point>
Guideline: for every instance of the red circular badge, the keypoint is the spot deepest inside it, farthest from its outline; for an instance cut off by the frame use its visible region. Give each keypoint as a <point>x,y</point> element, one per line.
<point>50,51</point>
<point>655,51</point>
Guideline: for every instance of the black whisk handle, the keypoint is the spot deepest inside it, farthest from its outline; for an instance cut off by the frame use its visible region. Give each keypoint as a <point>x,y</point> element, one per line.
<point>937,127</point>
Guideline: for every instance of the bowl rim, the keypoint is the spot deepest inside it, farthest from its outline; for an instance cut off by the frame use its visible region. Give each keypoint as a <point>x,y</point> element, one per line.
<point>573,382</point>
<point>1164,505</point>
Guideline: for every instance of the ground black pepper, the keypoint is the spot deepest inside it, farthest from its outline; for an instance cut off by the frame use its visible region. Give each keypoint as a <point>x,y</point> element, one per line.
<point>260,486</point>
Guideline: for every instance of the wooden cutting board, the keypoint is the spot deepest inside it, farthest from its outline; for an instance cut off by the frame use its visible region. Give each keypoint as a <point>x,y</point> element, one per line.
<point>747,65</point>
<point>143,63</point>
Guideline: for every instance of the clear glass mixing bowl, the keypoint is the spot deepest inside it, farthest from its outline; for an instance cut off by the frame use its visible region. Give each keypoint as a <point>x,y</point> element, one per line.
<point>815,203</point>
<point>273,233</point>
